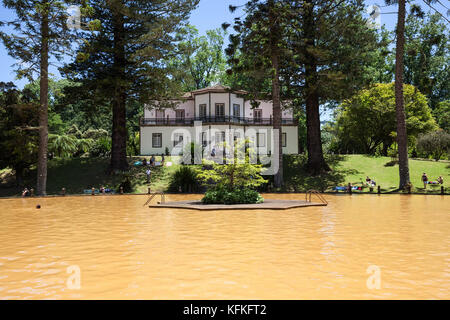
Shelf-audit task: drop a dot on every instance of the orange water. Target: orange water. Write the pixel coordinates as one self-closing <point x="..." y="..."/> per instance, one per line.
<point x="127" y="251"/>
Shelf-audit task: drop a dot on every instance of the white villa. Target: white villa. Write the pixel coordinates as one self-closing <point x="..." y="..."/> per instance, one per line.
<point x="210" y="116"/>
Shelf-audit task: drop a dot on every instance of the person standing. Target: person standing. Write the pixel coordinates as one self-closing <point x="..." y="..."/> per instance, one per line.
<point x="149" y="174"/>
<point x="424" y="180"/>
<point x="440" y="180"/>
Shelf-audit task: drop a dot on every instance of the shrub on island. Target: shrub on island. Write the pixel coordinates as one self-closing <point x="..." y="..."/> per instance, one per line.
<point x="236" y="196"/>
<point x="234" y="182"/>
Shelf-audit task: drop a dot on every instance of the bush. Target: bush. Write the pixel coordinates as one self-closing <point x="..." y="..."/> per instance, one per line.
<point x="184" y="177"/>
<point x="236" y="196"/>
<point x="435" y="144"/>
<point x="101" y="147"/>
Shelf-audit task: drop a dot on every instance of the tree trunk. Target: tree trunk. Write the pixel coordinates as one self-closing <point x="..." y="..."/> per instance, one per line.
<point x="276" y="109"/>
<point x="119" y="129"/>
<point x="41" y="185"/>
<point x="399" y="101"/>
<point x="316" y="163"/>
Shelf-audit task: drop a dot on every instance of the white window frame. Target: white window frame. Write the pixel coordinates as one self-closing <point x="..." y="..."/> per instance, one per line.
<point x="200" y="107"/>
<point x="238" y="108"/>
<point x="154" y="136"/>
<point x="257" y="118"/>
<point x="178" y="138"/>
<point x="218" y="107"/>
<point x="259" y="140"/>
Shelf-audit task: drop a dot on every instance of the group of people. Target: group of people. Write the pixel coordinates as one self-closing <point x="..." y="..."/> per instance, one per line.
<point x="151" y="163"/>
<point x="370" y="182"/>
<point x="425" y="180"/>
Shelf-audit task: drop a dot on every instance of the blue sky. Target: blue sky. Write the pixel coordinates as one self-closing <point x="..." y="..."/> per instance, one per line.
<point x="210" y="14"/>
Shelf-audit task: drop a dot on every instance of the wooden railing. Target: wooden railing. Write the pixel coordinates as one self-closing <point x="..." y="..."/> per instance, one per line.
<point x="154" y="194"/>
<point x="309" y="194"/>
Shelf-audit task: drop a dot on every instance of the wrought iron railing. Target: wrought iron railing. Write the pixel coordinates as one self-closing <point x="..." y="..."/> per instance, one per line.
<point x="217" y="119"/>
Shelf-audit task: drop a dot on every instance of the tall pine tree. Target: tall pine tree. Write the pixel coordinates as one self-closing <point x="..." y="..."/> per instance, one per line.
<point x="122" y="63"/>
<point x="39" y="33"/>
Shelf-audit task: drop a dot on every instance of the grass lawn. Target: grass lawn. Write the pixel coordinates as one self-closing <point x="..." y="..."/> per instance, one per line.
<point x="385" y="174"/>
<point x="84" y="173"/>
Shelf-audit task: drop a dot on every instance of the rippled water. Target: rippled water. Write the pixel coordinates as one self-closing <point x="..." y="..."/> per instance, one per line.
<point x="127" y="251"/>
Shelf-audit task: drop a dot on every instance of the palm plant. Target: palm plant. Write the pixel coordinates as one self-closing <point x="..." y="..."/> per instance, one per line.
<point x="62" y="145"/>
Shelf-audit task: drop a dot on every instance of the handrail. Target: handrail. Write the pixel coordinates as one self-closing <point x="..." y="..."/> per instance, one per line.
<point x="317" y="193"/>
<point x="213" y="119"/>
<point x="154" y="194"/>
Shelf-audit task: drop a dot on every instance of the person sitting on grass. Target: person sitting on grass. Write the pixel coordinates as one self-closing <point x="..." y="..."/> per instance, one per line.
<point x="424" y="180"/>
<point x="144" y="162"/>
<point x="152" y="160"/>
<point x="368" y="180"/>
<point x="440" y="180"/>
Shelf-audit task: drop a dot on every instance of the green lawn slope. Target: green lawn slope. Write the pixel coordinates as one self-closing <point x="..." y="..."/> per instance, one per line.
<point x="84" y="173"/>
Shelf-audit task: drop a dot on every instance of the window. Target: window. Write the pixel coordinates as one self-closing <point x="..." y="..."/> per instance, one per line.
<point x="237" y="136"/>
<point x="284" y="139"/>
<point x="220" y="110"/>
<point x="177" y="139"/>
<point x="257" y="115"/>
<point x="236" y="110"/>
<point x="159" y="114"/>
<point x="260" y="139"/>
<point x="203" y="139"/>
<point x="157" y="140"/>
<point x="220" y="136"/>
<point x="202" y="110"/>
<point x="179" y="115"/>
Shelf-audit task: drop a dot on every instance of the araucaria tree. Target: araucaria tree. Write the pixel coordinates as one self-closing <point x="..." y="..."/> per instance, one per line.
<point x="123" y="62"/>
<point x="40" y="32"/>
<point x="318" y="53"/>
<point x="260" y="39"/>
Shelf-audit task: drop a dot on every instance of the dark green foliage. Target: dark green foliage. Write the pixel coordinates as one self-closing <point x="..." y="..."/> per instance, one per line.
<point x="186" y="178"/>
<point x="18" y="130"/>
<point x="442" y="115"/>
<point x="435" y="144"/>
<point x="235" y="196"/>
<point x="101" y="147"/>
<point x="427" y="56"/>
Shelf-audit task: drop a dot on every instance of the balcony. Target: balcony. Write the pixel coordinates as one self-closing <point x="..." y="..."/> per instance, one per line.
<point x="213" y="120"/>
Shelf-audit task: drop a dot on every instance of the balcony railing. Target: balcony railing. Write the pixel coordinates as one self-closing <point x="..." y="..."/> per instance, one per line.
<point x="218" y="119"/>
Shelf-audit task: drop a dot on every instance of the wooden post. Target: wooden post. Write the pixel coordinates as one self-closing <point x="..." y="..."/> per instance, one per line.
<point x="121" y="190"/>
<point x="93" y="191"/>
<point x="349" y="188"/>
<point x="149" y="191"/>
<point x="408" y="188"/>
<point x="371" y="189"/>
<point x="31" y="192"/>
<point x="442" y="189"/>
<point x="379" y="190"/>
<point x="63" y="191"/>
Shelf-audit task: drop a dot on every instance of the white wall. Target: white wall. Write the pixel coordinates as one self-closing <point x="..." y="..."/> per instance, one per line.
<point x="168" y="131"/>
<point x="187" y="105"/>
<point x="267" y="108"/>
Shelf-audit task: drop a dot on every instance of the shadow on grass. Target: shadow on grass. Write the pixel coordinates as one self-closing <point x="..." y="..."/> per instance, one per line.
<point x="298" y="179"/>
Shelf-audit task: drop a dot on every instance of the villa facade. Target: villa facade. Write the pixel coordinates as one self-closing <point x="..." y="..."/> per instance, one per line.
<point x="211" y="116"/>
